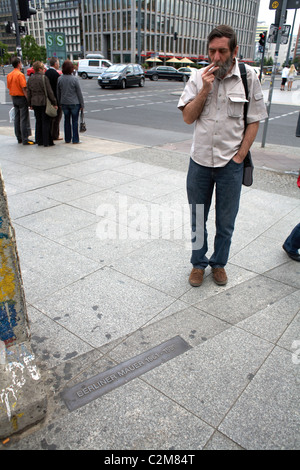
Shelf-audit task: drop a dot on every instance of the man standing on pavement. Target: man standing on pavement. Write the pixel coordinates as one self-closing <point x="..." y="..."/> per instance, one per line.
<point x="16" y="83"/>
<point x="214" y="99"/>
<point x="284" y="77"/>
<point x="53" y="75"/>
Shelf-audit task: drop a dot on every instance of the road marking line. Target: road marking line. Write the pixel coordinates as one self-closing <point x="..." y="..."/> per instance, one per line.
<point x="281" y="115"/>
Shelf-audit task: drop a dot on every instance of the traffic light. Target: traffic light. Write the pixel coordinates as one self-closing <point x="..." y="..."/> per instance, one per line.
<point x="175" y="36"/>
<point x="9" y="27"/>
<point x="25" y="10"/>
<point x="262" y="40"/>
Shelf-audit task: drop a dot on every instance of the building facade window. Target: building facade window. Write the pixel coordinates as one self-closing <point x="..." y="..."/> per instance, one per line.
<point x="64" y="16"/>
<point x="111" y="26"/>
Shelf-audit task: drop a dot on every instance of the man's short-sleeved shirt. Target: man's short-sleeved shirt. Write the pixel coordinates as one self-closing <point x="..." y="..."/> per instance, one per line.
<point x="285" y="72"/>
<point x="220" y="128"/>
<point x="16" y="81"/>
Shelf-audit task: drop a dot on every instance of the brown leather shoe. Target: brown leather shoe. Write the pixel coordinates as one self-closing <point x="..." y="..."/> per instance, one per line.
<point x="196" y="277"/>
<point x="219" y="276"/>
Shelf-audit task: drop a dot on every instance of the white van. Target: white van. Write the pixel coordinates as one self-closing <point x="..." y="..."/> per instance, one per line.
<point x="89" y="68"/>
<point x="95" y="56"/>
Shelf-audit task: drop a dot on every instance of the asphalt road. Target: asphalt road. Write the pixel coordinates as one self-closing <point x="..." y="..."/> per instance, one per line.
<point x="149" y="115"/>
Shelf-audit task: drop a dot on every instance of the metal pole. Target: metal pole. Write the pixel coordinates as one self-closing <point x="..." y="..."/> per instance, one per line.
<point x="15" y="20"/>
<point x="139" y="32"/>
<point x="291" y="39"/>
<point x="282" y="17"/>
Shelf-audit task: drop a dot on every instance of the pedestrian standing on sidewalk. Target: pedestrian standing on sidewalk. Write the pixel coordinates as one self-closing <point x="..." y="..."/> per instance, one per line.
<point x="291" y="76"/>
<point x="16" y="83"/>
<point x="214" y="99"/>
<point x="292" y="244"/>
<point x="53" y="76"/>
<point x="71" y="100"/>
<point x="284" y="76"/>
<point x="37" y="83"/>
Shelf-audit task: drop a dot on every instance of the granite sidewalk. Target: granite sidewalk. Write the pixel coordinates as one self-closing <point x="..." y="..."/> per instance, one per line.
<point x="102" y="235"/>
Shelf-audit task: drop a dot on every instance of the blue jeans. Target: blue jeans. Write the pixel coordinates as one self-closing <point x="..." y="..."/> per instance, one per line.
<point x="292" y="243"/>
<point x="71" y="111"/>
<point x="201" y="181"/>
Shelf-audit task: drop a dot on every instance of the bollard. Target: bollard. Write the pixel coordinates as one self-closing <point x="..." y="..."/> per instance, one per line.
<point x="22" y="397"/>
<point x="298" y="127"/>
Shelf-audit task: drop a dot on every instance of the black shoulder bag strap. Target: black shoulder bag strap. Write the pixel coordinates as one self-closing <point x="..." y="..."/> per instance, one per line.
<point x="248" y="164"/>
<point x="245" y="83"/>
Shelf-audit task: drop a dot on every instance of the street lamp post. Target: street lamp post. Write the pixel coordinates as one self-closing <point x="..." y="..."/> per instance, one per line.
<point x="282" y="14"/>
<point x="139" y="32"/>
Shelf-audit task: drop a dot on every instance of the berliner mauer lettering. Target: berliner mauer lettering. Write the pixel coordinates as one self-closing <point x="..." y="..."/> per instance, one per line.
<point x="102" y="383"/>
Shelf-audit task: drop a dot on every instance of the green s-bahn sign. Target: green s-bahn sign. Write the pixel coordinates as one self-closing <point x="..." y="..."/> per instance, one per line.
<point x="56" y="45"/>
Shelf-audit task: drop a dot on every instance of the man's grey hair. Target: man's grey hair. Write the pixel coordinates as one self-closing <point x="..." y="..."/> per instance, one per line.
<point x="53" y="61"/>
<point x="222" y="31"/>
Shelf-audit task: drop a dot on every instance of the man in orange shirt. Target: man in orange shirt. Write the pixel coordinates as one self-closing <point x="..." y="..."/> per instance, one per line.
<point x="16" y="83"/>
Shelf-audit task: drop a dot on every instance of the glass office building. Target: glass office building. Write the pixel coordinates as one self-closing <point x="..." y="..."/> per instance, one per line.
<point x="115" y="27"/>
<point x="63" y="16"/>
<point x="36" y="23"/>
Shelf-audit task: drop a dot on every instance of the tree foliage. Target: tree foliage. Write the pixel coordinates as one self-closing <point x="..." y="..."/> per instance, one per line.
<point x="4" y="56"/>
<point x="31" y="51"/>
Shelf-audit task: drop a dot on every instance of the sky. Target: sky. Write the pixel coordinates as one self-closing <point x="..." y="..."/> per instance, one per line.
<point x="269" y="15"/>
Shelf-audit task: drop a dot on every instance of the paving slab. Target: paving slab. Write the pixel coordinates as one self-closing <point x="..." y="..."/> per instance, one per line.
<point x="216" y="371"/>
<point x="57" y="221"/>
<point x="87" y="166"/>
<point x="274" y="321"/>
<point x="27" y="203"/>
<point x="273" y="395"/>
<point x="62" y="265"/>
<point x="288" y="274"/>
<point x="96" y="299"/>
<point x="247" y="298"/>
<point x="102" y="241"/>
<point x="53" y="344"/>
<point x="141" y="424"/>
<point x="103" y="313"/>
<point x="168" y="272"/>
<point x="193" y="325"/>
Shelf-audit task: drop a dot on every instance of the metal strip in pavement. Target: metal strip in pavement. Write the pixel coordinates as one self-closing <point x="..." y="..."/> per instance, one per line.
<point x="87" y="391"/>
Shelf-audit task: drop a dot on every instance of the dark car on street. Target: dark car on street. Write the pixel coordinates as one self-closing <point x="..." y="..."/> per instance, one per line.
<point x="122" y="76"/>
<point x="166" y="72"/>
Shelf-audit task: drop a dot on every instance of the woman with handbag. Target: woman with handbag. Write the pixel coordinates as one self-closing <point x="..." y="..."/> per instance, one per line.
<point x="70" y="98"/>
<point x="39" y="91"/>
